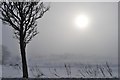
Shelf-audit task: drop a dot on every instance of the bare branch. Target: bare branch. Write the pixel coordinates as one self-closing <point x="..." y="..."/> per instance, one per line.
<point x="23" y="16"/>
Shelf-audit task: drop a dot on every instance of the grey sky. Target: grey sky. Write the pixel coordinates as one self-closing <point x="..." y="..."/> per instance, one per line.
<point x="0" y="32"/>
<point x="60" y="41"/>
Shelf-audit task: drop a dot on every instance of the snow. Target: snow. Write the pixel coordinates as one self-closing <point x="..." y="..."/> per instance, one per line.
<point x="0" y="71"/>
<point x="48" y="72"/>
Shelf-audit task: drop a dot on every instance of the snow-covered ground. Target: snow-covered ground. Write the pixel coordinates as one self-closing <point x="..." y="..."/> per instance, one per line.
<point x="0" y="72"/>
<point x="52" y="72"/>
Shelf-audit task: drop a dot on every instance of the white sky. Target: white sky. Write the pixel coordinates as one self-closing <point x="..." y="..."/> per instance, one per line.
<point x="59" y="40"/>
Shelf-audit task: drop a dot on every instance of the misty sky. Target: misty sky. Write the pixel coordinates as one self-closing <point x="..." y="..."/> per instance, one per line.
<point x="59" y="40"/>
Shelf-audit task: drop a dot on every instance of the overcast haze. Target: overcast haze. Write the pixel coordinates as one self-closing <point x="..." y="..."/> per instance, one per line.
<point x="59" y="40"/>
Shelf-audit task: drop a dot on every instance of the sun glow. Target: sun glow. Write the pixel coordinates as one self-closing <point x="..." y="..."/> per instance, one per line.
<point x="82" y="21"/>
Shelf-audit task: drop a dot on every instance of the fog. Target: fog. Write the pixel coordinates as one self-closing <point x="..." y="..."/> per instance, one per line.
<point x="60" y="41"/>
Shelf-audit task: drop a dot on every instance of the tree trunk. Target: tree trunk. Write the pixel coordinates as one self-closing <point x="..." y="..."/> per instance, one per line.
<point x="24" y="62"/>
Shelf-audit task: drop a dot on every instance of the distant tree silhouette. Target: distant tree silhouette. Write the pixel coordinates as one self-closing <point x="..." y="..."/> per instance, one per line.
<point x="6" y="55"/>
<point x="22" y="17"/>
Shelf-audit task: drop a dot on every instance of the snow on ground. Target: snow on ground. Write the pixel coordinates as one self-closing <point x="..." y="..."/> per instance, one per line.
<point x="49" y="72"/>
<point x="0" y="71"/>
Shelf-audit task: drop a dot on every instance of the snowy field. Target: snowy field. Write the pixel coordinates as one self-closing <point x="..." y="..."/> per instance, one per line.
<point x="63" y="79"/>
<point x="58" y="72"/>
<point x="0" y="72"/>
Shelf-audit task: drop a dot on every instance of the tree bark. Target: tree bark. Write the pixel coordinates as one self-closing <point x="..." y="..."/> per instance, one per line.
<point x="23" y="56"/>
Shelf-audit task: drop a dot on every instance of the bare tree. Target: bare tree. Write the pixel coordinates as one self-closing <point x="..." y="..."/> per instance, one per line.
<point x="22" y="17"/>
